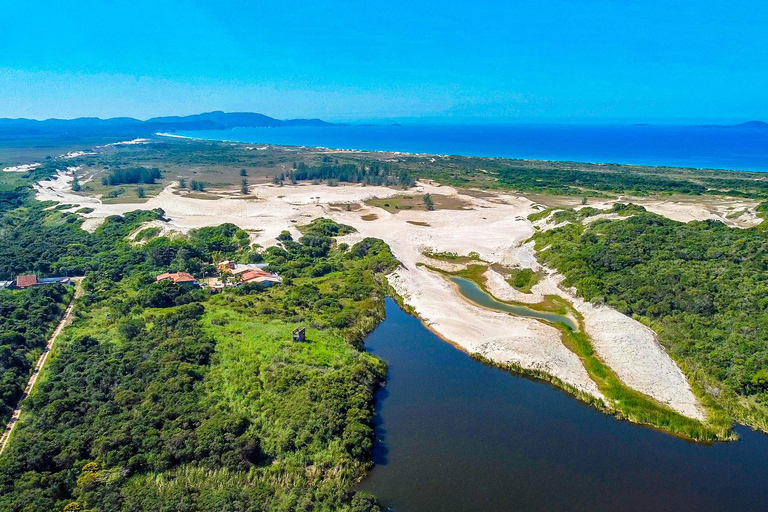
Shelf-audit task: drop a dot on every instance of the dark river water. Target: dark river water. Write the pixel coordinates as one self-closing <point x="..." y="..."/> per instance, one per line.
<point x="457" y="435"/>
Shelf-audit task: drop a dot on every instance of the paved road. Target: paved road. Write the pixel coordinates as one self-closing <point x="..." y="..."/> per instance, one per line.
<point x="65" y="321"/>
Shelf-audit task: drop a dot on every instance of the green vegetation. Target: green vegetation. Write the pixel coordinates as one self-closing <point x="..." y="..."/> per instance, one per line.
<point x="429" y="205"/>
<point x="701" y="286"/>
<point x="132" y="176"/>
<point x="452" y="256"/>
<point x="162" y="397"/>
<point x="634" y="406"/>
<point x="523" y="279"/>
<point x="369" y="173"/>
<point x="27" y="319"/>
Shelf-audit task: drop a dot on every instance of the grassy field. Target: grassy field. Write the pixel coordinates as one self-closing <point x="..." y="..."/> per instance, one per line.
<point x="399" y="203"/>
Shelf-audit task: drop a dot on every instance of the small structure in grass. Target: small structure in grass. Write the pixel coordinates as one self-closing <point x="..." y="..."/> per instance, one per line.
<point x="299" y="334"/>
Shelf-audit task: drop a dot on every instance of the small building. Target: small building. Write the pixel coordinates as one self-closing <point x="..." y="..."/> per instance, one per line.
<point x="4" y="285"/>
<point x="240" y="268"/>
<point x="178" y="278"/>
<point x="299" y="334"/>
<point x="259" y="276"/>
<point x="26" y="280"/>
<point x="54" y="280"/>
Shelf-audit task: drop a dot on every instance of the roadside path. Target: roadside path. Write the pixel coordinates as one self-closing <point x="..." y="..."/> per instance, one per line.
<point x="65" y="321"/>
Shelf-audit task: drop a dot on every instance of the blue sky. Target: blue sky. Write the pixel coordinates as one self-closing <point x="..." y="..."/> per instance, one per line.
<point x="453" y="61"/>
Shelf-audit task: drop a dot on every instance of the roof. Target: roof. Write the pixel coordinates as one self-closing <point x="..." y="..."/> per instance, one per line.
<point x="239" y="268"/>
<point x="26" y="280"/>
<point x="258" y="276"/>
<point x="46" y="280"/>
<point x="176" y="277"/>
<point x="5" y="284"/>
<point x="249" y="275"/>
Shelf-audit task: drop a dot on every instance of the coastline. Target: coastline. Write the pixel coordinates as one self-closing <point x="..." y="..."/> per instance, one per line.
<point x="495" y="226"/>
<point x="528" y="143"/>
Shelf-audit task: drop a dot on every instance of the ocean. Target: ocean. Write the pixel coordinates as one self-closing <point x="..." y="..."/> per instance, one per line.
<point x="732" y="148"/>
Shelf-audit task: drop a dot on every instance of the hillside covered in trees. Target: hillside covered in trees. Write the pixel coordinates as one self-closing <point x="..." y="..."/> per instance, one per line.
<point x="702" y="286"/>
<point x="27" y="319"/>
<point x="160" y="397"/>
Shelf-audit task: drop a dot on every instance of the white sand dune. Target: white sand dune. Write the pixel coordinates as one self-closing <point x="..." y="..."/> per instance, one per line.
<point x="496" y="228"/>
<point x="21" y="168"/>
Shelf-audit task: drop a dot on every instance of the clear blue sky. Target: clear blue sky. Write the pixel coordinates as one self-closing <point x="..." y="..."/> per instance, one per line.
<point x="532" y="60"/>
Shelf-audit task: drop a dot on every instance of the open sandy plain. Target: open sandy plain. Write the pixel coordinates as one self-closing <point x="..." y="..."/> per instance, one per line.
<point x="493" y="226"/>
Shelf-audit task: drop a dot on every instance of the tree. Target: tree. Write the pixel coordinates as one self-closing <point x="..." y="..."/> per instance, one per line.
<point x="244" y="186"/>
<point x="140" y="192"/>
<point x="428" y="203"/>
<point x="243" y="172"/>
<point x="182" y="183"/>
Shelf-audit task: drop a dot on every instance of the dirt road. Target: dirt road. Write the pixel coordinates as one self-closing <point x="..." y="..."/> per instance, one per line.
<point x="65" y="321"/>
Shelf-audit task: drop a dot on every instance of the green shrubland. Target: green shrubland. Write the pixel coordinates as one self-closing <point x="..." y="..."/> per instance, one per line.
<point x="161" y="397"/>
<point x="702" y="286"/>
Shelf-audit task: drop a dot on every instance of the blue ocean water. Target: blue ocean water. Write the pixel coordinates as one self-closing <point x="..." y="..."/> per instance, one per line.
<point x="731" y="148"/>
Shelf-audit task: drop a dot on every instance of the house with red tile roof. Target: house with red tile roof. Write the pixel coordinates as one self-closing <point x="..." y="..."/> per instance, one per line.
<point x="177" y="278"/>
<point x="259" y="276"/>
<point x="26" y="280"/>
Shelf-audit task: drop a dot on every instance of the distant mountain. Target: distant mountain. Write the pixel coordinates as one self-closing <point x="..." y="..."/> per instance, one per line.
<point x="128" y="126"/>
<point x="752" y="125"/>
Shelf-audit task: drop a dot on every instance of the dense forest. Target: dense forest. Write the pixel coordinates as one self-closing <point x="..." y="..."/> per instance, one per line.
<point x="702" y="286"/>
<point x="132" y="176"/>
<point x="372" y="173"/>
<point x="27" y="318"/>
<point x="160" y="397"/>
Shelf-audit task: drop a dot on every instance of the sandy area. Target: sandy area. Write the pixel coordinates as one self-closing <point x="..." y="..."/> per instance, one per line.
<point x="21" y="168"/>
<point x="734" y="212"/>
<point x="495" y="227"/>
<point x="628" y="347"/>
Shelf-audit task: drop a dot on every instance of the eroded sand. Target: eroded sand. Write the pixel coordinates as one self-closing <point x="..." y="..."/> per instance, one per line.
<point x="495" y="228"/>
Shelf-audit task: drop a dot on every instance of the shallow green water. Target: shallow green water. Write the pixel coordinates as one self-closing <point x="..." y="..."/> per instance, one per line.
<point x="474" y="293"/>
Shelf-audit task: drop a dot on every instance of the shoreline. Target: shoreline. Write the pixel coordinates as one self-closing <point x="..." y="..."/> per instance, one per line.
<point x="548" y="160"/>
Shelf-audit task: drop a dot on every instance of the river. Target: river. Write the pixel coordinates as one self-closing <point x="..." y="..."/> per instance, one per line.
<point x="454" y="434"/>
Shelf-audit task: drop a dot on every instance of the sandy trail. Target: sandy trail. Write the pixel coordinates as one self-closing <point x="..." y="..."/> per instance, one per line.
<point x="495" y="227"/>
<point x="66" y="319"/>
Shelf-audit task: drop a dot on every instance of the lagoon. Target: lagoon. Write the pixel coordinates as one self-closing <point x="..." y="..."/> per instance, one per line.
<point x="471" y="291"/>
<point x="454" y="434"/>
